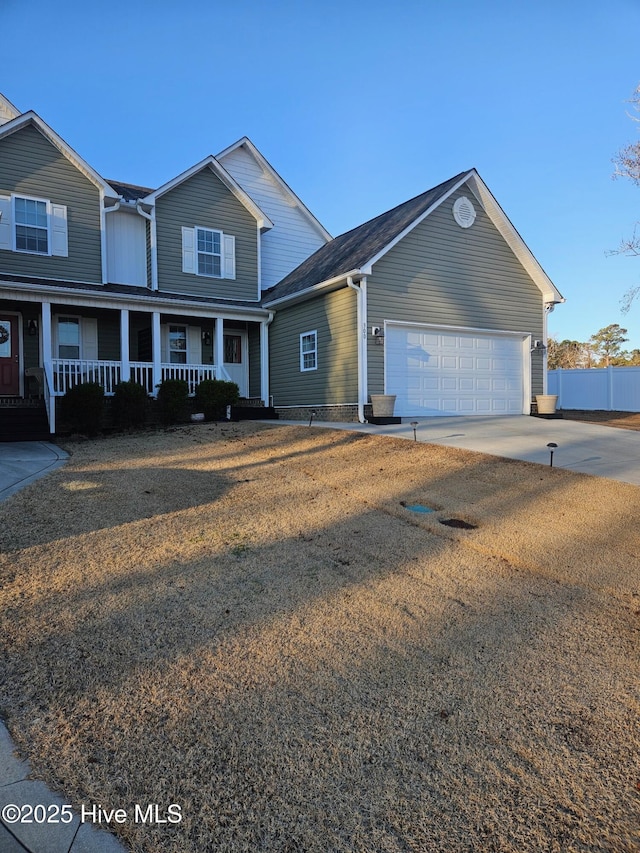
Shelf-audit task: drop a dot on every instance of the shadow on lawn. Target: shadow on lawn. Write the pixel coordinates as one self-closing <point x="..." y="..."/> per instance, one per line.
<point x="332" y="673"/>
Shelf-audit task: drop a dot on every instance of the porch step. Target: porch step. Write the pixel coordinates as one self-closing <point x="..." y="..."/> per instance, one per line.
<point x="245" y="412"/>
<point x="24" y="421"/>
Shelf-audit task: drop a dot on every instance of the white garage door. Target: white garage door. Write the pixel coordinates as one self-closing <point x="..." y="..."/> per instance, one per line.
<point x="440" y="372"/>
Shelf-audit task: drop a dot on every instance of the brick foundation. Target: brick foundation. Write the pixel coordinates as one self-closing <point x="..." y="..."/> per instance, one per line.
<point x="345" y="413"/>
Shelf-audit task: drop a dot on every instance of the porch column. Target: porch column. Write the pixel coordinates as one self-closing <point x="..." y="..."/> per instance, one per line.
<point x="156" y="351"/>
<point x="47" y="343"/>
<point x="264" y="360"/>
<point x="125" y="367"/>
<point x="219" y="351"/>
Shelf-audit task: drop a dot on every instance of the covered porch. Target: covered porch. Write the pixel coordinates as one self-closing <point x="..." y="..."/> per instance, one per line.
<point x="59" y="343"/>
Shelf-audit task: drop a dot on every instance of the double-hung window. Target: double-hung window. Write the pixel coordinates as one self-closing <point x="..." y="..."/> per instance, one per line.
<point x="209" y="247"/>
<point x="68" y="337"/>
<point x="309" y="351"/>
<point x="32" y="225"/>
<point x="36" y="226"/>
<point x="208" y="252"/>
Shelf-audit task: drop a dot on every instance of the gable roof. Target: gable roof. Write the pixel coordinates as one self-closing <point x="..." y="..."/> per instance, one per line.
<point x="211" y="163"/>
<point x="355" y="252"/>
<point x="284" y="188"/>
<point x="32" y="119"/>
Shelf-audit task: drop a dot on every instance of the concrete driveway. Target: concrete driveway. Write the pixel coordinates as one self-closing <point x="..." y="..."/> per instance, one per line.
<point x="22" y="462"/>
<point x="589" y="448"/>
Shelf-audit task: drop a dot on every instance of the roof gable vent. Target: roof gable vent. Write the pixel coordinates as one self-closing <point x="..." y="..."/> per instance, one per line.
<point x="464" y="212"/>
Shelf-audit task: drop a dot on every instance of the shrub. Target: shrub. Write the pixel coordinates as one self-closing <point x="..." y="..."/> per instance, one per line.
<point x="82" y="408"/>
<point x="130" y="405"/>
<point x="172" y="400"/>
<point x="214" y="395"/>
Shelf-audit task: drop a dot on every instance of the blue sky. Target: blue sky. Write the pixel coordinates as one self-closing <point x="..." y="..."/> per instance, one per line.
<point x="362" y="105"/>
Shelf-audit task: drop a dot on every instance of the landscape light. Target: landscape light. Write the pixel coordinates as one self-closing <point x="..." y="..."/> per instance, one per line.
<point x="414" y="424"/>
<point x="552" y="446"/>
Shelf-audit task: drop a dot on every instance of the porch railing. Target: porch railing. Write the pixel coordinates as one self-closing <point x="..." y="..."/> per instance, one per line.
<point x="191" y="373"/>
<point x="67" y="372"/>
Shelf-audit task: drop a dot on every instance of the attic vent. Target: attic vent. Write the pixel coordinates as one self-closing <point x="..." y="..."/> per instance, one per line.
<point x="464" y="212"/>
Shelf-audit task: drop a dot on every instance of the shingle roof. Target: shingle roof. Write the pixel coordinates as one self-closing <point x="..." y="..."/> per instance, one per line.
<point x="356" y="248"/>
<point x="130" y="192"/>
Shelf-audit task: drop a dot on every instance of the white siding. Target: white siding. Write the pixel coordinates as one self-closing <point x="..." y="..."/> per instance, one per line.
<point x="126" y="249"/>
<point x="293" y="238"/>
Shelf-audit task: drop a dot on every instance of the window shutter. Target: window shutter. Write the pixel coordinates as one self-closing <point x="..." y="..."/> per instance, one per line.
<point x="89" y="338"/>
<point x="5" y="223"/>
<point x="194" y="345"/>
<point x="189" y="250"/>
<point x="59" y="238"/>
<point x="229" y="256"/>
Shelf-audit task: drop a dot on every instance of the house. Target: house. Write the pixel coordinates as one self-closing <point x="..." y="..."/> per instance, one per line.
<point x="437" y="301"/>
<point x="106" y="281"/>
<point x="222" y="272"/>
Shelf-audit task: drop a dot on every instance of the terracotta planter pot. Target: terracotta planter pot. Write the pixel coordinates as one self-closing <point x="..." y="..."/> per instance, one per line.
<point x="547" y="403"/>
<point x="383" y="405"/>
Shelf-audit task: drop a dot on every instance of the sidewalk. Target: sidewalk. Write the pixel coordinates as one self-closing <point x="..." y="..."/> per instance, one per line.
<point x="17" y="792"/>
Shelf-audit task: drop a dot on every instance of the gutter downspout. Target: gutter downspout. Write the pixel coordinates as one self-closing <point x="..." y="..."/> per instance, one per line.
<point x="361" y="327"/>
<point x="264" y="357"/>
<point x="151" y="217"/>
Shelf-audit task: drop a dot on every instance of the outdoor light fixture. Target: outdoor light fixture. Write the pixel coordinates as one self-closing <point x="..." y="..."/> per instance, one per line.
<point x="311" y="418"/>
<point x="552" y="446"/>
<point x="32" y="328"/>
<point x="414" y="424"/>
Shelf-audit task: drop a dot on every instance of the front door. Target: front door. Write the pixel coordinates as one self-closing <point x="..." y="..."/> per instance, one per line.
<point x="9" y="355"/>
<point x="235" y="360"/>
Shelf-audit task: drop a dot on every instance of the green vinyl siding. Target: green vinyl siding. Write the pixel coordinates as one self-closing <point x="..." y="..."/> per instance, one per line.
<point x="335" y="381"/>
<point x="203" y="200"/>
<point x="31" y="166"/>
<point x="445" y="275"/>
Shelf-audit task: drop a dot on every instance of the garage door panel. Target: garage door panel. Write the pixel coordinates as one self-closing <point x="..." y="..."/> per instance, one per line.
<point x="443" y="373"/>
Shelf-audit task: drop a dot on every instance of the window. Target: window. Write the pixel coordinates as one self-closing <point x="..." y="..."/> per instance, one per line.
<point x="32" y="225"/>
<point x="232" y="349"/>
<point x="209" y="252"/>
<point x="68" y="337"/>
<point x="309" y="351"/>
<point x="177" y="344"/>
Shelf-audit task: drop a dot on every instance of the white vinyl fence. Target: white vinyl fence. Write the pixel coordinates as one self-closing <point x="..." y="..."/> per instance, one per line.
<point x="606" y="388"/>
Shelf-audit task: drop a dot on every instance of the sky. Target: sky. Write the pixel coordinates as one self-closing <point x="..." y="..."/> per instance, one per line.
<point x="360" y="105"/>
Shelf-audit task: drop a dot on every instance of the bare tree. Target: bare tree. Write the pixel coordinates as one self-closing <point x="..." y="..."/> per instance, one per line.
<point x="627" y="163"/>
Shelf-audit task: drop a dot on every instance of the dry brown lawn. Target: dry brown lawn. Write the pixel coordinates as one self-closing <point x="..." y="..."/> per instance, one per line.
<point x="246" y="621"/>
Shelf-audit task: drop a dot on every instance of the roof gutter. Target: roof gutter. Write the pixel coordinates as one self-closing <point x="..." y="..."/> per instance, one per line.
<point x="361" y="341"/>
<point x="323" y="285"/>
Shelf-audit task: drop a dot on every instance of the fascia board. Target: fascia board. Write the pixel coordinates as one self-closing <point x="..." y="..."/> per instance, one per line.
<point x="513" y="239"/>
<point x="32" y="118"/>
<point x="416" y="222"/>
<point x="210" y="162"/>
<point x="330" y="284"/>
<point x="282" y="184"/>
